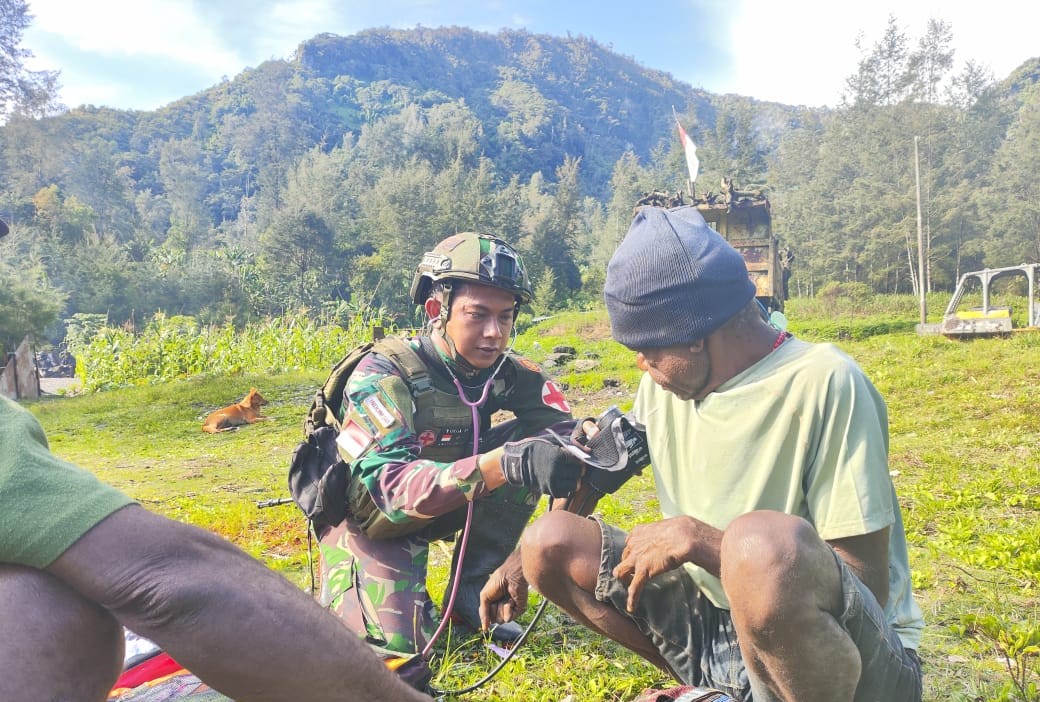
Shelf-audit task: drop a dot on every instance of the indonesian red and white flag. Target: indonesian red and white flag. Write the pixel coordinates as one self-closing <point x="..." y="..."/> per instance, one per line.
<point x="693" y="164"/>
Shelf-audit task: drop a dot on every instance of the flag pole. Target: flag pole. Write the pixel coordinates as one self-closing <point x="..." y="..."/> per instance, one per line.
<point x="690" y="150"/>
<point x="921" y="287"/>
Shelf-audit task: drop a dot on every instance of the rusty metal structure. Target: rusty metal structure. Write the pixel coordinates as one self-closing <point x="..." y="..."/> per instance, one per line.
<point x="986" y="319"/>
<point x="744" y="219"/>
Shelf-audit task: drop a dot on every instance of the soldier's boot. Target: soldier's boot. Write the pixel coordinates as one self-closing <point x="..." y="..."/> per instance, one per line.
<point x="497" y="525"/>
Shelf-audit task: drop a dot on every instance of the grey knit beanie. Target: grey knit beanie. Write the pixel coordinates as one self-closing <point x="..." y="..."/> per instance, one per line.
<point x="673" y="280"/>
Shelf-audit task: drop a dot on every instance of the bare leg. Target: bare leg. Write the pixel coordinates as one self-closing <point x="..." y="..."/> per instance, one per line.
<point x="561" y="554"/>
<point x="785" y="592"/>
<point x="54" y="644"/>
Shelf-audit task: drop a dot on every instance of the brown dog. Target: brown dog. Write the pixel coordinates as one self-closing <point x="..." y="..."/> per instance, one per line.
<point x="245" y="412"/>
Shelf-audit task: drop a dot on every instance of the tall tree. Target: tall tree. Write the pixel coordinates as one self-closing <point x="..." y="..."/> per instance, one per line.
<point x="296" y="256"/>
<point x="628" y="183"/>
<point x="181" y="167"/>
<point x="733" y="148"/>
<point x="21" y="90"/>
<point x="24" y="310"/>
<point x="96" y="176"/>
<point x="402" y="221"/>
<point x="1011" y="200"/>
<point x="554" y="234"/>
<point x="882" y="75"/>
<point x="931" y="63"/>
<point x="969" y="86"/>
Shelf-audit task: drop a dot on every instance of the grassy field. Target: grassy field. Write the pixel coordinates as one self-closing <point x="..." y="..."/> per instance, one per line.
<point x="965" y="451"/>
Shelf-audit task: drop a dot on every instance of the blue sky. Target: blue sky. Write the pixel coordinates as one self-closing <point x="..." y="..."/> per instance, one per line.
<point x="142" y="54"/>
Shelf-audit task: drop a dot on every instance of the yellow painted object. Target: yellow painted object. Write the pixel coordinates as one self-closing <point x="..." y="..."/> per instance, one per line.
<point x="395" y="663"/>
<point x="992" y="313"/>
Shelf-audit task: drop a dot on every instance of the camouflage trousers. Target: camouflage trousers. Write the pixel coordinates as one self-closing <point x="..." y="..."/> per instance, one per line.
<point x="378" y="586"/>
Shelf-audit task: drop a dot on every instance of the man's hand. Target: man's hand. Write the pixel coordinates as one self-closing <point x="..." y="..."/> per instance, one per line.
<point x="652" y="549"/>
<point x="542" y="465"/>
<point x="617" y="449"/>
<point x="584" y="429"/>
<point x="504" y="597"/>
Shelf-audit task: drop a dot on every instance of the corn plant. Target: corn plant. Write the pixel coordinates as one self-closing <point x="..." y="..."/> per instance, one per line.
<point x="176" y="347"/>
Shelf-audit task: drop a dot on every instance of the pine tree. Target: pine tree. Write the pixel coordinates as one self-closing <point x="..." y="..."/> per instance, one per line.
<point x="22" y="91"/>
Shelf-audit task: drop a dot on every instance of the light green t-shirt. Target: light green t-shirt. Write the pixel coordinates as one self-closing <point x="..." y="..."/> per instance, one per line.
<point x="804" y="432"/>
<point x="46" y="504"/>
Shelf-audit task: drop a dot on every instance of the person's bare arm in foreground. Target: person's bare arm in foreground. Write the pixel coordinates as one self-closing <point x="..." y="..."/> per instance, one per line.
<point x="242" y="628"/>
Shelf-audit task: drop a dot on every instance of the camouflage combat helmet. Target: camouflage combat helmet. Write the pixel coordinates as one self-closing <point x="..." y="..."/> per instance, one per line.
<point x="473" y="258"/>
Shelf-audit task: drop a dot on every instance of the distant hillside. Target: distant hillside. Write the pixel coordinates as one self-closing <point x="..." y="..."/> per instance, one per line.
<point x="537" y="97"/>
<point x="316" y="182"/>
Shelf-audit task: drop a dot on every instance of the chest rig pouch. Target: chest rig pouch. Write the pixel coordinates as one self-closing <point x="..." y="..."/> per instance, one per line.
<point x="443" y="424"/>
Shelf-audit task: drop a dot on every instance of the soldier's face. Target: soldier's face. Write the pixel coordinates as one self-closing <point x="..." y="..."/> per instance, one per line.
<point x="480" y="323"/>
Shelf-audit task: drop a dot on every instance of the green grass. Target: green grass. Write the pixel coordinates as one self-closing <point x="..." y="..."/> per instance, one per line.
<point x="965" y="453"/>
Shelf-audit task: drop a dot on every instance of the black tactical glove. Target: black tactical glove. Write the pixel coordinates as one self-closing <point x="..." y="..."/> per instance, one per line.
<point x="617" y="452"/>
<point x="541" y="465"/>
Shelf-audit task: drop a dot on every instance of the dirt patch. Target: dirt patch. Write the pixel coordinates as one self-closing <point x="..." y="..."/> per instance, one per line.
<point x="591" y="330"/>
<point x="593" y="403"/>
<point x="59" y="386"/>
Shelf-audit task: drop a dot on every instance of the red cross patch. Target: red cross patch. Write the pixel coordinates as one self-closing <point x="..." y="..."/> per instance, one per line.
<point x="427" y="438"/>
<point x="552" y="397"/>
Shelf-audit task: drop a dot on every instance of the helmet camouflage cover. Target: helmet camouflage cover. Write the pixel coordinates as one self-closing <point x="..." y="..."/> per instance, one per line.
<point x="473" y="258"/>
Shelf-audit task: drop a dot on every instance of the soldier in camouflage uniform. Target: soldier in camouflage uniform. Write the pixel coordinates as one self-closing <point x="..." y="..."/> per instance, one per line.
<point x="408" y="436"/>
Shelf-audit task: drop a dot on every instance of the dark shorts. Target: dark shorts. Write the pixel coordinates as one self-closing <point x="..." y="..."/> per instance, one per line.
<point x="699" y="642"/>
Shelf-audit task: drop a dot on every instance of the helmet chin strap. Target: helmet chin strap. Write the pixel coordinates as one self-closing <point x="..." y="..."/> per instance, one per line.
<point x="465" y="368"/>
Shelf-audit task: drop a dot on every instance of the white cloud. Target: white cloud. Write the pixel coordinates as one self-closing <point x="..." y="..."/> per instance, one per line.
<point x="802" y="51"/>
<point x="87" y="91"/>
<point x="135" y="29"/>
<point x="291" y="22"/>
<point x="794" y="52"/>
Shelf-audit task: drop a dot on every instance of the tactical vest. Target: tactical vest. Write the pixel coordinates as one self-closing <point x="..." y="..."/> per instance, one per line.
<point x="438" y="412"/>
<point x="443" y="423"/>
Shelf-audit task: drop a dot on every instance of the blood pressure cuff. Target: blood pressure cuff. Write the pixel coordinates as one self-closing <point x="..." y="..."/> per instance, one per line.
<point x="617" y="452"/>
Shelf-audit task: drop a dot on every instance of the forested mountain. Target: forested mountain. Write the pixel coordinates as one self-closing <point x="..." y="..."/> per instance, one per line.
<point x="317" y="182"/>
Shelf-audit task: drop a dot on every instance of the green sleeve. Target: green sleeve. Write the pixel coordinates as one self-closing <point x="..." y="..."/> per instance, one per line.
<point x="46" y="504"/>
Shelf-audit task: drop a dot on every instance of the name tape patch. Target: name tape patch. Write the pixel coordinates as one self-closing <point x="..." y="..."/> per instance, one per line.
<point x="378" y="411"/>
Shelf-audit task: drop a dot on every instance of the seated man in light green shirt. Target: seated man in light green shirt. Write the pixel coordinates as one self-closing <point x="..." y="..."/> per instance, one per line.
<point x="780" y="569"/>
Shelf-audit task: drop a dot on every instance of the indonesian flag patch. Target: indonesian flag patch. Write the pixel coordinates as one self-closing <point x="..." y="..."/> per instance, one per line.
<point x="552" y="397"/>
<point x="353" y="440"/>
